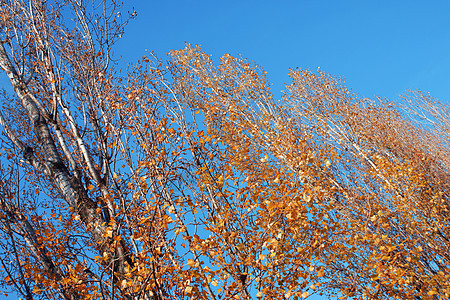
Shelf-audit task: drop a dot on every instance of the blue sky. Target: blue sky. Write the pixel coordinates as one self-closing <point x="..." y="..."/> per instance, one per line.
<point x="379" y="47"/>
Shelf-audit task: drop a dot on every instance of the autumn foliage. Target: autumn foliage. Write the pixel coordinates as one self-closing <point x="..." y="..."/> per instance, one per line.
<point x="184" y="178"/>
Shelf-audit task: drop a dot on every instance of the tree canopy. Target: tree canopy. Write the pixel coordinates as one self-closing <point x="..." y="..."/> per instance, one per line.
<point x="184" y="178"/>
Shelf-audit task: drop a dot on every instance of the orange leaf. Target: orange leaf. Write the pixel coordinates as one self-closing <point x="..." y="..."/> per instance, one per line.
<point x="321" y="273"/>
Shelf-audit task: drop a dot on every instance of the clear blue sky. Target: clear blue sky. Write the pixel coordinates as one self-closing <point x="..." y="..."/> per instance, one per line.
<point x="379" y="47"/>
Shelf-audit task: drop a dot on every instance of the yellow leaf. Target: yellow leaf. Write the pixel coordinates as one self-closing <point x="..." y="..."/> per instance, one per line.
<point x="307" y="198"/>
<point x="37" y="290"/>
<point x="188" y="290"/>
<point x="123" y="283"/>
<point x="240" y="247"/>
<point x="108" y="232"/>
<point x="259" y="295"/>
<point x="90" y="187"/>
<point x="191" y="263"/>
<point x="321" y="273"/>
